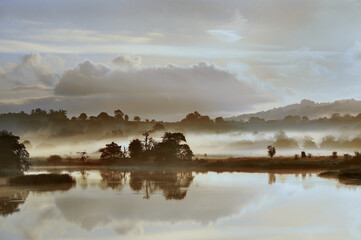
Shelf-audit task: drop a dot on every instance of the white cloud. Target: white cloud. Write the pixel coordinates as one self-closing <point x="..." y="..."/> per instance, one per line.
<point x="33" y="69"/>
<point x="86" y="36"/>
<point x="225" y="35"/>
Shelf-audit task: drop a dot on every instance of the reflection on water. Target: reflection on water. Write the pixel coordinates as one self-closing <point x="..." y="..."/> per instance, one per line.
<point x="10" y="199"/>
<point x="173" y="184"/>
<point x="108" y="204"/>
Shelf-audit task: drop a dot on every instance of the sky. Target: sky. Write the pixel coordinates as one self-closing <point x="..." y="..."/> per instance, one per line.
<point x="165" y="58"/>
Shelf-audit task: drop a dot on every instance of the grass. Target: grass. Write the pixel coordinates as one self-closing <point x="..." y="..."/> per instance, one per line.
<point x="42" y="179"/>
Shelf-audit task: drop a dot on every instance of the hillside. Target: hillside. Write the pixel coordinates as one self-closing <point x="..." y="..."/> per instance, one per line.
<point x="307" y="108"/>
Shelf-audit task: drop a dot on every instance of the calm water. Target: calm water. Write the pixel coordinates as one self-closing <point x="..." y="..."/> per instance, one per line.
<point x="183" y="205"/>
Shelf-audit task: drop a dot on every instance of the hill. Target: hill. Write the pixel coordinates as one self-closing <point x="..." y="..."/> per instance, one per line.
<point x="307" y="108"/>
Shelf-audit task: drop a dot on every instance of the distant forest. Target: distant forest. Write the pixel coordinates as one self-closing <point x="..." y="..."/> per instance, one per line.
<point x="55" y="124"/>
<point x="121" y="124"/>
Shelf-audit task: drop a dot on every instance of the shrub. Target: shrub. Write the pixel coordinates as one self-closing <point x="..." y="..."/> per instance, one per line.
<point x="334" y="155"/>
<point x="303" y="154"/>
<point x="296" y="157"/>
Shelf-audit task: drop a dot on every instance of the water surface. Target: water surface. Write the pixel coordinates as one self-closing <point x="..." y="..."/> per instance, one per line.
<point x="114" y="204"/>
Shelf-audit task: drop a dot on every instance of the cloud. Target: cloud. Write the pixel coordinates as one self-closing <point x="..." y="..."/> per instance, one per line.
<point x="33" y="69"/>
<point x="81" y="35"/>
<point x="31" y="88"/>
<point x="225" y="35"/>
<point x="163" y="89"/>
<point x="287" y="24"/>
<point x="230" y="32"/>
<point x="127" y="61"/>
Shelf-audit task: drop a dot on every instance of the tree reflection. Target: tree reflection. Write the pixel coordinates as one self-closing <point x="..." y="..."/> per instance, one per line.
<point x="12" y="197"/>
<point x="10" y="201"/>
<point x="113" y="179"/>
<point x="271" y="178"/>
<point x="173" y="184"/>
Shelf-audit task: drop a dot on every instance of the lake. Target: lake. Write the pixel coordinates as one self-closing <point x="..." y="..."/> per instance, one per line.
<point x="139" y="204"/>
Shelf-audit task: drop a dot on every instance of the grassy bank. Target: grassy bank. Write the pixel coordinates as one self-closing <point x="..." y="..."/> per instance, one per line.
<point x="42" y="179"/>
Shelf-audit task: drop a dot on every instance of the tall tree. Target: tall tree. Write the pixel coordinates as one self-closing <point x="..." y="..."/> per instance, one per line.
<point x="12" y="153"/>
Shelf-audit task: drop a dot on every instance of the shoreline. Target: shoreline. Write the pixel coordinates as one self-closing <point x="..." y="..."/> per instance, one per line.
<point x="243" y="164"/>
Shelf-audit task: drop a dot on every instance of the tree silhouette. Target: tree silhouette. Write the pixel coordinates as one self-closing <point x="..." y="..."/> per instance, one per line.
<point x="111" y="151"/>
<point x="135" y="148"/>
<point x="83" y="117"/>
<point x="184" y="152"/>
<point x="119" y="115"/>
<point x="173" y="137"/>
<point x="54" y="159"/>
<point x="174" y="185"/>
<point x="9" y="203"/>
<point x="12" y="153"/>
<point x="158" y="127"/>
<point x="103" y="116"/>
<point x="171" y="149"/>
<point x="83" y="156"/>
<point x="271" y="151"/>
<point x="219" y="121"/>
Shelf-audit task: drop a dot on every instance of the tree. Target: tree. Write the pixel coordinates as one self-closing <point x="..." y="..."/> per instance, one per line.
<point x="173" y="137"/>
<point x="220" y="121"/>
<point x="12" y="153"/>
<point x="54" y="159"/>
<point x="158" y="127"/>
<point x="309" y="143"/>
<point x="38" y="113"/>
<point x="146" y="141"/>
<point x="111" y="151"/>
<point x="82" y="117"/>
<point x="135" y="148"/>
<point x="119" y="115"/>
<point x="271" y="151"/>
<point x="136" y="118"/>
<point x="198" y="119"/>
<point x="83" y="156"/>
<point x="103" y="116"/>
<point x="184" y="152"/>
<point x="171" y="149"/>
<point x="59" y="115"/>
